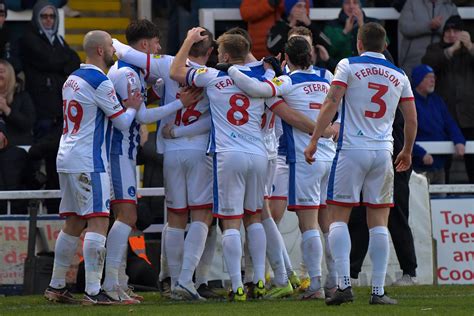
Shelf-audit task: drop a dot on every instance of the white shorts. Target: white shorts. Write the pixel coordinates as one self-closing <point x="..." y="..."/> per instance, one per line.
<point x="239" y="184"/>
<point x="366" y="171"/>
<point x="306" y="184"/>
<point x="187" y="180"/>
<point x="84" y="194"/>
<point x="123" y="175"/>
<point x="280" y="181"/>
<point x="270" y="177"/>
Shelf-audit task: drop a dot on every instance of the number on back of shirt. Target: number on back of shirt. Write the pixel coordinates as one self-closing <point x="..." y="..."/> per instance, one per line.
<point x="72" y="112"/>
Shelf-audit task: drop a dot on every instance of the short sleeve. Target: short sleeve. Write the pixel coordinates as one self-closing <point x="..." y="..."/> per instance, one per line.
<point x="200" y="77"/>
<point x="107" y="100"/>
<point x="407" y="93"/>
<point x="126" y="77"/>
<point x="273" y="102"/>
<point x="341" y="77"/>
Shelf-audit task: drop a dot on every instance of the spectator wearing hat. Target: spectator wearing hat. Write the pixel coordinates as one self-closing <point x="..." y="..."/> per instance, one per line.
<point x="452" y="60"/>
<point x="421" y="24"/>
<point x="434" y="124"/>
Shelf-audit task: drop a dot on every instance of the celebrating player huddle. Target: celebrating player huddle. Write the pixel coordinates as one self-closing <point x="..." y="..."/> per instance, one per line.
<point x="220" y="131"/>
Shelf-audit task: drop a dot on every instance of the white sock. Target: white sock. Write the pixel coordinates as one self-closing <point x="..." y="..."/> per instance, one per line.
<point x="64" y="251"/>
<point x="331" y="278"/>
<point x="122" y="272"/>
<point x="248" y="276"/>
<point x="204" y="265"/>
<point x="275" y="251"/>
<point x="379" y="253"/>
<point x="117" y="243"/>
<point x="312" y="256"/>
<point x="232" y="250"/>
<point x="193" y="249"/>
<point x="174" y="244"/>
<point x="94" y="256"/>
<point x="257" y="243"/>
<point x="286" y="257"/>
<point x="164" y="272"/>
<point x="340" y="243"/>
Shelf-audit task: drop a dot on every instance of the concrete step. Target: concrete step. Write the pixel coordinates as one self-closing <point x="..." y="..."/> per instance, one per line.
<point x="75" y="40"/>
<point x="101" y="6"/>
<point x="96" y="23"/>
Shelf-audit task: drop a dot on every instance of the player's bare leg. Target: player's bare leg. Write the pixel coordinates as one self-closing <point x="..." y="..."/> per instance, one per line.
<point x="116" y="280"/>
<point x="377" y="221"/>
<point x="330" y="284"/>
<point x="312" y="249"/>
<point x="193" y="249"/>
<point x="257" y="243"/>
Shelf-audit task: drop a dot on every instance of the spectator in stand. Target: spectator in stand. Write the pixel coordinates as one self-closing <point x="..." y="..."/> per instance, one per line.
<point x="421" y="24"/>
<point x="434" y="124"/>
<point x="342" y="31"/>
<point x="18" y="112"/>
<point x="453" y="62"/>
<point x="47" y="61"/>
<point x="8" y="42"/>
<point x="29" y="4"/>
<point x="3" y="137"/>
<point x="260" y="16"/>
<point x="296" y="15"/>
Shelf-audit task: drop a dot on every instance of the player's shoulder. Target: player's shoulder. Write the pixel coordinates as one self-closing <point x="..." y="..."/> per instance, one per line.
<point x="92" y="75"/>
<point x="161" y="58"/>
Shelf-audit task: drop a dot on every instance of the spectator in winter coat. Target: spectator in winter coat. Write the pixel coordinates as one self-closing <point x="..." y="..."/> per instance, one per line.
<point x="434" y="124"/>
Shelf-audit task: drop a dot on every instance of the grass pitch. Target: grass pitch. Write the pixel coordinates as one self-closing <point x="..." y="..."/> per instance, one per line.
<point x="418" y="300"/>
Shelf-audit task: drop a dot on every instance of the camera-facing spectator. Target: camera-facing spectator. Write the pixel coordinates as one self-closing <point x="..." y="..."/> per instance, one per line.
<point x="453" y="62"/>
<point x="342" y="31"/>
<point x="434" y="124"/>
<point x="18" y="111"/>
<point x="421" y="24"/>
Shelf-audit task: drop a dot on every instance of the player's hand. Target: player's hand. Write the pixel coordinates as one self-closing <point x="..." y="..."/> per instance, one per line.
<point x="465" y="39"/>
<point x="427" y="159"/>
<point x="3" y="141"/>
<point x="336" y="126"/>
<point x="223" y="66"/>
<point x="167" y="131"/>
<point x="403" y="161"/>
<point x="459" y="149"/>
<point x="189" y="96"/>
<point x="275" y="64"/>
<point x="310" y="151"/>
<point x="194" y="35"/>
<point x="134" y="99"/>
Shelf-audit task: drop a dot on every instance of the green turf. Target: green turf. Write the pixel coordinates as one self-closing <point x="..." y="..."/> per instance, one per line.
<point x="419" y="300"/>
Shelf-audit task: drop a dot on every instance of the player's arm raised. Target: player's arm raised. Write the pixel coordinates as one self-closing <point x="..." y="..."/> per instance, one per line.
<point x="178" y="70"/>
<point x="252" y="86"/>
<point x="403" y="160"/>
<point x="328" y="110"/>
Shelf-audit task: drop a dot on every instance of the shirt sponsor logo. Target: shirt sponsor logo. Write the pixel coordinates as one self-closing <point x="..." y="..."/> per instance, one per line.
<point x="246" y="137"/>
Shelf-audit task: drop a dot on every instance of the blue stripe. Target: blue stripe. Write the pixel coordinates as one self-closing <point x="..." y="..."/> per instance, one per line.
<point x="116" y="174"/>
<point x="121" y="64"/>
<point x="116" y="143"/>
<point x="300" y="77"/>
<point x="292" y="184"/>
<point x="374" y="60"/>
<point x="97" y="206"/>
<point x="341" y="129"/>
<point x="282" y="145"/>
<point x="92" y="76"/>
<point x="131" y="136"/>
<point x="215" y="188"/>
<point x="290" y="142"/>
<point x="108" y="138"/>
<point x="332" y="177"/>
<point x="98" y="141"/>
<point x="212" y="137"/>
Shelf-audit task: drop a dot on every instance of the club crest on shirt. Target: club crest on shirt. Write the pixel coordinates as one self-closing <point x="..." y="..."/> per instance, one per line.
<point x="112" y="96"/>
